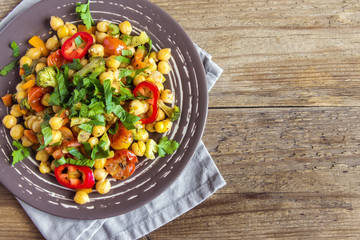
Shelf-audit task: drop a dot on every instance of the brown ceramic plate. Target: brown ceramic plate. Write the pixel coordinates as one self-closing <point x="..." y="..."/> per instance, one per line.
<point x="151" y="178"/>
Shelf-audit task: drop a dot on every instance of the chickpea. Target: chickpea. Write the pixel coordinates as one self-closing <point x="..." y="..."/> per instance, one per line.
<point x="132" y="49"/>
<point x="116" y="73"/>
<point x="52" y="166"/>
<point x="81" y="197"/>
<point x="96" y="50"/>
<point x="29" y="122"/>
<point x="40" y="115"/>
<point x="20" y="96"/>
<point x="164" y="67"/>
<point x="154" y="56"/>
<point x="45" y="167"/>
<point x="136" y="107"/>
<point x="56" y="137"/>
<point x="62" y="32"/>
<point x="157" y="76"/>
<point x="150" y="127"/>
<point x="39" y="66"/>
<point x="17" y="132"/>
<point x="93" y="141"/>
<point x="164" y="54"/>
<point x="163" y="126"/>
<point x="106" y="75"/>
<point x="125" y="28"/>
<point x="103" y="186"/>
<point x="167" y="96"/>
<point x="160" y="86"/>
<point x="100" y="163"/>
<point x="25" y="60"/>
<point x="87" y="190"/>
<point x="100" y="174"/>
<point x="56" y="123"/>
<point x="100" y="36"/>
<point x="146" y="105"/>
<point x="26" y="142"/>
<point x="138" y="79"/>
<point x="71" y="73"/>
<point x="98" y="131"/>
<point x="36" y="126"/>
<point x="151" y="65"/>
<point x="42" y="155"/>
<point x="19" y="86"/>
<point x="9" y="121"/>
<point x="111" y="62"/>
<point x="161" y="115"/>
<point x="53" y="43"/>
<point x="56" y="22"/>
<point x="84" y="61"/>
<point x="15" y="111"/>
<point x="42" y="60"/>
<point x="56" y="109"/>
<point x="71" y="28"/>
<point x="33" y="53"/>
<point x="103" y="26"/>
<point x="138" y="148"/>
<point x="45" y="100"/>
<point x="64" y="39"/>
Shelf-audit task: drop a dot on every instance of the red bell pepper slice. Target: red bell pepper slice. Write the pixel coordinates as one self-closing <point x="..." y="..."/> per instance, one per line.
<point x="34" y="97"/>
<point x="72" y="48"/>
<point x="140" y="89"/>
<point x="86" y="180"/>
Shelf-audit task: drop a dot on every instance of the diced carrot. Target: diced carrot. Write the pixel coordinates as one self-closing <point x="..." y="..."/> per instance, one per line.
<point x="23" y="111"/>
<point x="30" y="134"/>
<point x="66" y="133"/>
<point x="83" y="28"/>
<point x="28" y="84"/>
<point x="7" y="100"/>
<point x="21" y="71"/>
<point x="36" y="42"/>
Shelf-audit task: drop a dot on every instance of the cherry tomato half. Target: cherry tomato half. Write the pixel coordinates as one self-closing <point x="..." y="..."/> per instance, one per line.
<point x="122" y="139"/>
<point x="113" y="46"/>
<point x="57" y="59"/>
<point x="122" y="165"/>
<point x="34" y="97"/>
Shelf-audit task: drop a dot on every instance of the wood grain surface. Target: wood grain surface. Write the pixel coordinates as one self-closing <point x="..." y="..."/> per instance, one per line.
<point x="283" y="124"/>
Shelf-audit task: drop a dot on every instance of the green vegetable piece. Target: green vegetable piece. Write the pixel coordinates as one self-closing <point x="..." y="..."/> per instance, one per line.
<point x="83" y="136"/>
<point x="8" y="68"/>
<point x="20" y="154"/>
<point x="167" y="146"/>
<point x="140" y="40"/>
<point x="46" y="77"/>
<point x="123" y="59"/>
<point x="126" y="39"/>
<point x="78" y="121"/>
<point x="114" y="29"/>
<point x="84" y="13"/>
<point x="138" y="134"/>
<point x="24" y="104"/>
<point x="151" y="149"/>
<point x="172" y="112"/>
<point x="106" y="141"/>
<point x="73" y="151"/>
<point x="75" y="65"/>
<point x="15" y="48"/>
<point x="78" y="41"/>
<point x="83" y="162"/>
<point x="47" y="132"/>
<point x="96" y="65"/>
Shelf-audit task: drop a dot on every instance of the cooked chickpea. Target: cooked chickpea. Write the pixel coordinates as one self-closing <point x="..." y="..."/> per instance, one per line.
<point x="71" y="73"/>
<point x="53" y="43"/>
<point x="14" y="111"/>
<point x="9" y="121"/>
<point x="36" y="126"/>
<point x="154" y="56"/>
<point x="157" y="76"/>
<point x="56" y="22"/>
<point x="19" y="86"/>
<point x="56" y="137"/>
<point x="81" y="197"/>
<point x="87" y="190"/>
<point x="42" y="60"/>
<point x="100" y="163"/>
<point x="125" y="28"/>
<point x="100" y="174"/>
<point x="29" y="122"/>
<point x="136" y="107"/>
<point x="160" y="86"/>
<point x="146" y="105"/>
<point x="56" y="123"/>
<point x="167" y="96"/>
<point x="84" y="61"/>
<point x="116" y="73"/>
<point x="103" y="186"/>
<point x="111" y="62"/>
<point x="161" y="115"/>
<point x="103" y="26"/>
<point x="151" y="65"/>
<point x="64" y="39"/>
<point x="93" y="141"/>
<point x="164" y="67"/>
<point x="25" y="60"/>
<point x="100" y="36"/>
<point x="17" y="131"/>
<point x="62" y="32"/>
<point x="26" y="142"/>
<point x="163" y="126"/>
<point x="71" y="28"/>
<point x="20" y="96"/>
<point x="42" y="155"/>
<point x="98" y="131"/>
<point x="150" y="127"/>
<point x="164" y="54"/>
<point x="45" y="100"/>
<point x="96" y="50"/>
<point x="138" y="148"/>
<point x="33" y="53"/>
<point x="45" y="167"/>
<point x="52" y="166"/>
<point x="39" y="66"/>
<point x="56" y="109"/>
<point x="138" y="79"/>
<point x="132" y="49"/>
<point x="106" y="75"/>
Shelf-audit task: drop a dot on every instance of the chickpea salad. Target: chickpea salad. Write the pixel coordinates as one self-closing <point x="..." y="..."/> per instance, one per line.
<point x="90" y="102"/>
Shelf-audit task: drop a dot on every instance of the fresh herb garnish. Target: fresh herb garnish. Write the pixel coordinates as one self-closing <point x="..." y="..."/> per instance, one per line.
<point x="123" y="59"/>
<point x="27" y="69"/>
<point x="78" y="40"/>
<point x="84" y="13"/>
<point x="63" y="160"/>
<point x="75" y="65"/>
<point x="8" y="68"/>
<point x="167" y="146"/>
<point x="15" y="48"/>
<point x="20" y="154"/>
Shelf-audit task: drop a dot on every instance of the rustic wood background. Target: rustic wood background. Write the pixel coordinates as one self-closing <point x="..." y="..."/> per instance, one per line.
<point x="289" y="146"/>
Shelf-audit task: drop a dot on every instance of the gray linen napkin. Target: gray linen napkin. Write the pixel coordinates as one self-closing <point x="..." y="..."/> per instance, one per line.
<point x="200" y="179"/>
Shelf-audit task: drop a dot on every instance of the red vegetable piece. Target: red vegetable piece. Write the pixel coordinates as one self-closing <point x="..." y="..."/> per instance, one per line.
<point x="141" y="90"/>
<point x="122" y="165"/>
<point x="64" y="177"/>
<point x="34" y="97"/>
<point x="71" y="49"/>
<point x="56" y="59"/>
<point x="113" y="46"/>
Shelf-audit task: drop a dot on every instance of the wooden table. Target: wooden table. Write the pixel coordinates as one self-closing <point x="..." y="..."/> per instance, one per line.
<point x="283" y="124"/>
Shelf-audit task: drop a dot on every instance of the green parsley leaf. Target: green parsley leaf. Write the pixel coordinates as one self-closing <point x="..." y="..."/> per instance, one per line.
<point x="96" y="108"/>
<point x="167" y="146"/>
<point x="55" y="98"/>
<point x="87" y="148"/>
<point x="142" y="47"/>
<point x="27" y="69"/>
<point x="126" y="39"/>
<point x="123" y="59"/>
<point x="47" y="132"/>
<point x="114" y="29"/>
<point x="125" y="72"/>
<point x="98" y="120"/>
<point x="84" y="111"/>
<point x="98" y="152"/>
<point x="84" y="13"/>
<point x="20" y="154"/>
<point x="15" y="48"/>
<point x="86" y="127"/>
<point x="150" y="47"/>
<point x="78" y="40"/>
<point x="8" y="68"/>
<point x="84" y="162"/>
<point x="73" y="151"/>
<point x="108" y="96"/>
<point x="114" y="128"/>
<point x="126" y="118"/>
<point x="75" y="65"/>
<point x="63" y="91"/>
<point x="126" y="52"/>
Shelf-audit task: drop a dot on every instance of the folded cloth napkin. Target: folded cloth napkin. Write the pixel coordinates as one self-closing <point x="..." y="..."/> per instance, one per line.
<point x="199" y="180"/>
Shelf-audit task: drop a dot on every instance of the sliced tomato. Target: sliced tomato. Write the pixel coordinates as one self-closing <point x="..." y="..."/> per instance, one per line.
<point x="113" y="46"/>
<point x="34" y="97"/>
<point x="122" y="139"/>
<point x="57" y="59"/>
<point x="122" y="165"/>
